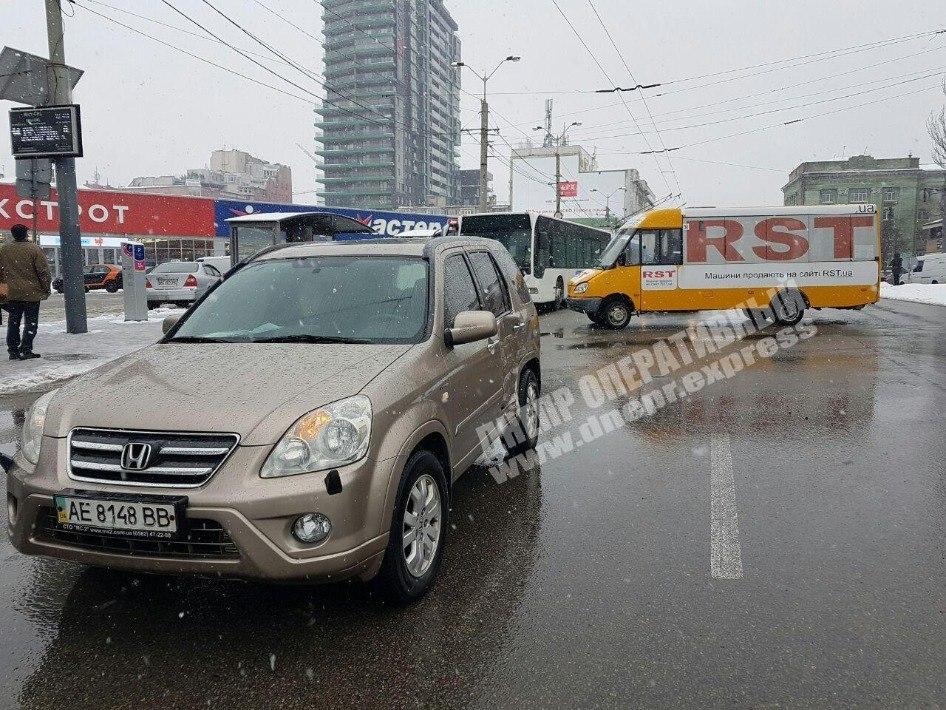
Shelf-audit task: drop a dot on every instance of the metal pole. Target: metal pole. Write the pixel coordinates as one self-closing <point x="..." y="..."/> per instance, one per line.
<point x="70" y="240"/>
<point x="558" y="182"/>
<point x="484" y="146"/>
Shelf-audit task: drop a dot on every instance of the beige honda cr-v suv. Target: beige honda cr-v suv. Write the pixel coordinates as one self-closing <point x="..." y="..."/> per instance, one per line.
<point x="304" y="421"/>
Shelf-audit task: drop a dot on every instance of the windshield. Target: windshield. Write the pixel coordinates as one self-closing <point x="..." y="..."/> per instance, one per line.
<point x="614" y="249"/>
<point x="176" y="267"/>
<point x="513" y="231"/>
<point x="316" y="299"/>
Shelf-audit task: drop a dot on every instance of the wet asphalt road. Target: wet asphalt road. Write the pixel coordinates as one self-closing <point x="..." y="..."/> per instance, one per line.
<point x="589" y="580"/>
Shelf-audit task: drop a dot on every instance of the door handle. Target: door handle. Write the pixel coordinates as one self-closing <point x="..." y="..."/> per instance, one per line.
<point x="519" y="326"/>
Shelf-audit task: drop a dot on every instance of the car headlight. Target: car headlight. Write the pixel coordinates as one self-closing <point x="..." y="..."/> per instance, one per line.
<point x="327" y="437"/>
<point x="581" y="288"/>
<point x="33" y="427"/>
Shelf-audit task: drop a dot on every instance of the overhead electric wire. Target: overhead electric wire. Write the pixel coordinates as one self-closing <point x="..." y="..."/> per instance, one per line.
<point x="640" y="94"/>
<point x="227" y="69"/>
<point x="940" y="72"/>
<point x="699" y="108"/>
<point x="287" y="20"/>
<point x="265" y="45"/>
<point x="611" y="82"/>
<point x="800" y="119"/>
<point x="843" y="51"/>
<point x="175" y="28"/>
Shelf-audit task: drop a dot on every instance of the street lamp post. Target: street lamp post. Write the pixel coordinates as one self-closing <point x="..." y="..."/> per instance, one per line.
<point x="559" y="141"/>
<point x="484" y="126"/>
<point x="607" y="202"/>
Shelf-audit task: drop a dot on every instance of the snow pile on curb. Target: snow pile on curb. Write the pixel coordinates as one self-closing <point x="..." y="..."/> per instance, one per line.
<point x="65" y="356"/>
<point x="934" y="294"/>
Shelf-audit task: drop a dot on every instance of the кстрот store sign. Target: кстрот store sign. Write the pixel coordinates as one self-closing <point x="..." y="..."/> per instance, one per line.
<point x="114" y="213"/>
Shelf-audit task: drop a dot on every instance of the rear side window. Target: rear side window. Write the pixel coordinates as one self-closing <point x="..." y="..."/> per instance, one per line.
<point x="493" y="292"/>
<point x="460" y="291"/>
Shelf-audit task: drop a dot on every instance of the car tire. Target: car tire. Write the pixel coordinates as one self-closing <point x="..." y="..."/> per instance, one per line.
<point x="616" y="312"/>
<point x="112" y="287"/>
<point x="788" y="307"/>
<point x="153" y="304"/>
<point x="596" y="318"/>
<point x="403" y="577"/>
<point x="59" y="289"/>
<point x="527" y="416"/>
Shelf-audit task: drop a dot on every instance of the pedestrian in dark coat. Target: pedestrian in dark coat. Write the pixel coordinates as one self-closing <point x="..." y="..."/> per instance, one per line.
<point x="25" y="272"/>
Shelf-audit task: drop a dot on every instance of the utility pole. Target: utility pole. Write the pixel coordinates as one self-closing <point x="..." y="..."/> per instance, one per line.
<point x="558" y="182"/>
<point x="70" y="240"/>
<point x="484" y="128"/>
<point x="484" y="151"/>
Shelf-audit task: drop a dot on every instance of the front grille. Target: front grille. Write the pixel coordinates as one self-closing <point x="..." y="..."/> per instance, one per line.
<point x="204" y="540"/>
<point x="178" y="460"/>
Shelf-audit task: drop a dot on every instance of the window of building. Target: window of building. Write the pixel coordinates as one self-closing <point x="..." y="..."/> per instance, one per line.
<point x="891" y="194"/>
<point x="828" y="197"/>
<point x="930" y="194"/>
<point x="859" y="194"/>
<point x="888" y="213"/>
<point x="923" y="216"/>
<point x="791" y="199"/>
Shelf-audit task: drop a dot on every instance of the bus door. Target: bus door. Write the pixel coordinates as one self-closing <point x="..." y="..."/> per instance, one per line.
<point x="661" y="260"/>
<point x="625" y="275"/>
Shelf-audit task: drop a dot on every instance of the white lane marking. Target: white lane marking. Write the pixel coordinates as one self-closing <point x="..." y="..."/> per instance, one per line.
<point x="725" y="550"/>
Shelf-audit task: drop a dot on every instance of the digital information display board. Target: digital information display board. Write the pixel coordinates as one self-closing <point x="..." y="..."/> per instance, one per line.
<point x="46" y="132"/>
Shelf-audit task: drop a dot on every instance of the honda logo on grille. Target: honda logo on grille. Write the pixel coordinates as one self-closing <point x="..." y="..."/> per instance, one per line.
<point x="136" y="457"/>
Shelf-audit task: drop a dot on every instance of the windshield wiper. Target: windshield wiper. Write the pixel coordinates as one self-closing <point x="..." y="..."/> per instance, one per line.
<point x="200" y="339"/>
<point x="302" y="338"/>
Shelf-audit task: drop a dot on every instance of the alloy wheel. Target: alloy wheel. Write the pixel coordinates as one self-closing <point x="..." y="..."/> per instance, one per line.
<point x="421" y="526"/>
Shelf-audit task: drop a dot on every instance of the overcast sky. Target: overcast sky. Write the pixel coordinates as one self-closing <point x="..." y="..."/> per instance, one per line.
<point x="148" y="109"/>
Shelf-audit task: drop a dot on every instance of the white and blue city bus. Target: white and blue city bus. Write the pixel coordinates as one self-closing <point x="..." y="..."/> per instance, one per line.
<point x="548" y="250"/>
<point x="253" y="232"/>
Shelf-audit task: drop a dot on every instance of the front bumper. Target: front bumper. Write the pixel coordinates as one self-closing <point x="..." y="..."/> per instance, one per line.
<point x="584" y="305"/>
<point x="256" y="515"/>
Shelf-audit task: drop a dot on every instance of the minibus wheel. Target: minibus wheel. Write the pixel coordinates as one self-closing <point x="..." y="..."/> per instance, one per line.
<point x="788" y="307"/>
<point x="616" y="312"/>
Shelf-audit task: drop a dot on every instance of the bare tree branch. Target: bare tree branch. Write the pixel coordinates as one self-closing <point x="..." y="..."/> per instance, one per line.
<point x="937" y="128"/>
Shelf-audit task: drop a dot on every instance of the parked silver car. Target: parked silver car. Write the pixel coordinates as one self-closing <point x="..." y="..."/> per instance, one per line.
<point x="180" y="282"/>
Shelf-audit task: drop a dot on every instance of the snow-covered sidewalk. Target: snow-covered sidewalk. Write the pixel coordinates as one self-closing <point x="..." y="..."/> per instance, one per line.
<point x="65" y="356"/>
<point x="934" y="294"/>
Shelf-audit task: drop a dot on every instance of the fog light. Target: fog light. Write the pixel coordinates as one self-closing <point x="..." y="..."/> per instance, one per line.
<point x="311" y="528"/>
<point x="11" y="510"/>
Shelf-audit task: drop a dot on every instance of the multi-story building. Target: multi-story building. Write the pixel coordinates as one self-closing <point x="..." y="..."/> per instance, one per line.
<point x="909" y="196"/>
<point x="596" y="197"/>
<point x="469" y="188"/>
<point x="232" y="175"/>
<point x="389" y="128"/>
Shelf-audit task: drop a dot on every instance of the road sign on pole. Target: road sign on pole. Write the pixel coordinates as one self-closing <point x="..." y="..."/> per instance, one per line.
<point x="33" y="178"/>
<point x="24" y="78"/>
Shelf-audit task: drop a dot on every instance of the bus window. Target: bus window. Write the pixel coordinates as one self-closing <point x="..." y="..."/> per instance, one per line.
<point x="251" y="238"/>
<point x="662" y="246"/>
<point x="513" y="231"/>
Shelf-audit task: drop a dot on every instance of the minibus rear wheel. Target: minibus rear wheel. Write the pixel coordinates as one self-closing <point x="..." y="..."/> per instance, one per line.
<point x="616" y="312"/>
<point x="788" y="307"/>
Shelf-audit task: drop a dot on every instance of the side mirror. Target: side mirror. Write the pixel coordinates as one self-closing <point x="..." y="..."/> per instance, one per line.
<point x="169" y="323"/>
<point x="470" y="326"/>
